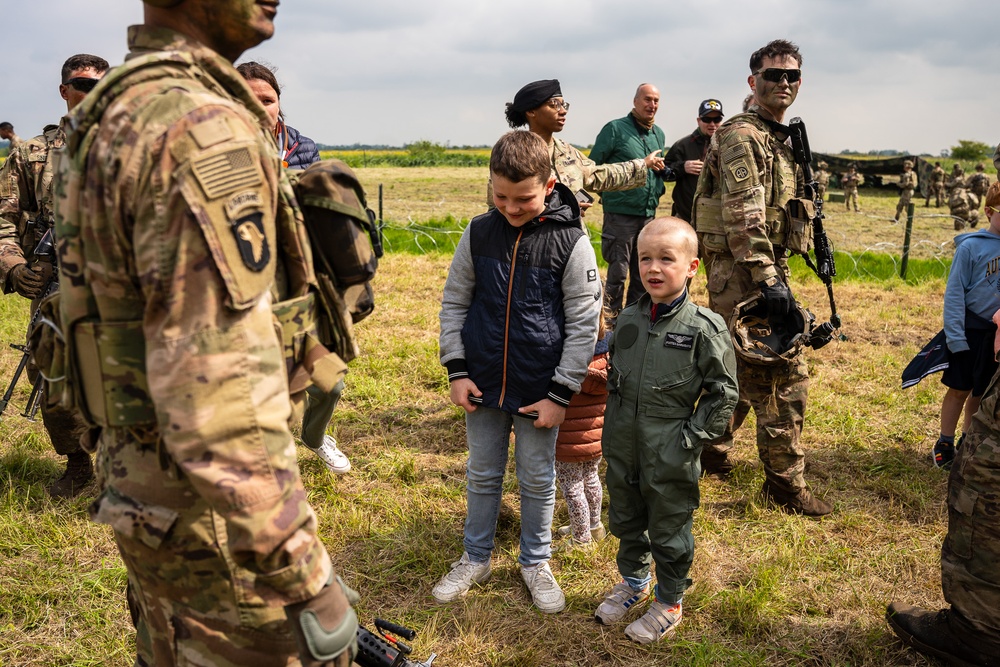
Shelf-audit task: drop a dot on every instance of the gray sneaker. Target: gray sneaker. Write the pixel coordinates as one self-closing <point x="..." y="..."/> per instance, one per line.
<point x="619" y="602"/>
<point x="658" y="621"/>
<point x="464" y="573"/>
<point x="545" y="591"/>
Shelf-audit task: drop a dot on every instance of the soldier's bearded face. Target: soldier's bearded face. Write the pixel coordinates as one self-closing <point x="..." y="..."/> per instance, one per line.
<point x="233" y="26"/>
<point x="775" y="97"/>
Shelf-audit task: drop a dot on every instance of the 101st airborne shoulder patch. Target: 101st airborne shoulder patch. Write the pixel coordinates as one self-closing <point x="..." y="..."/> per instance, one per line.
<point x="251" y="240"/>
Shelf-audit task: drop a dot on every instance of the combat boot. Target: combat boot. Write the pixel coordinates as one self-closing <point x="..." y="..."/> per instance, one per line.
<point x="931" y="632"/>
<point x="78" y="473"/>
<point x="801" y="501"/>
<point x="715" y="464"/>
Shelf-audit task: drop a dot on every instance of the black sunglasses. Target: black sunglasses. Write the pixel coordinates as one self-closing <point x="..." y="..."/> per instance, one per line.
<point x="711" y="119"/>
<point x="776" y="74"/>
<point x="84" y="84"/>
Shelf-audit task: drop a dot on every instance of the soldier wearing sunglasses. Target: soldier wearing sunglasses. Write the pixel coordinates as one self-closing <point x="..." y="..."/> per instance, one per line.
<point x="25" y="215"/>
<point x="742" y="215"/>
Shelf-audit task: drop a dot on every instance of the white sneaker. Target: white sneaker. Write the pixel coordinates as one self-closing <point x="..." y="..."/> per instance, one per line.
<point x="596" y="534"/>
<point x="464" y="573"/>
<point x="658" y="621"/>
<point x="619" y="602"/>
<point x="545" y="591"/>
<point x="336" y="461"/>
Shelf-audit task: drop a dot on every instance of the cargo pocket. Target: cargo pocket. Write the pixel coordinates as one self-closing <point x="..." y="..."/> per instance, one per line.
<point x="962" y="503"/>
<point x="149" y="524"/>
<point x="799" y="215"/>
<point x="719" y="274"/>
<point x="48" y="353"/>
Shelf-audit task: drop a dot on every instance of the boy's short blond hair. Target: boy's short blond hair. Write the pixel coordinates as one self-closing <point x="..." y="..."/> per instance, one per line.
<point x="673" y="226"/>
<point x="993" y="196"/>
<point x="519" y="155"/>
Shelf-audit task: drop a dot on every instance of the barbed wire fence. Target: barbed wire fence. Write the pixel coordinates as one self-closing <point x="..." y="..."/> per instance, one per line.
<point x="874" y="254"/>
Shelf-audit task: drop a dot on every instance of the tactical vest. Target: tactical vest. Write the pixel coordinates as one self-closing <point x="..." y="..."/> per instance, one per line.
<point x="788" y="218"/>
<point x="85" y="359"/>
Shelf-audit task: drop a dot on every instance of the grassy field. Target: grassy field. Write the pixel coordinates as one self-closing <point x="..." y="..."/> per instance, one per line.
<point x="769" y="589"/>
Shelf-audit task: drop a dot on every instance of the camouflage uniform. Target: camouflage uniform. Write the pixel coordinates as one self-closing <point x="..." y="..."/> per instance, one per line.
<point x="964" y="207"/>
<point x="15" y="141"/>
<point x="25" y="215"/>
<point x="979" y="182"/>
<point x="822" y="180"/>
<point x="167" y="264"/>
<point x="936" y="186"/>
<point x="969" y="575"/>
<point x="907" y="184"/>
<point x="577" y="172"/>
<point x="748" y="179"/>
<point x="851" y="180"/>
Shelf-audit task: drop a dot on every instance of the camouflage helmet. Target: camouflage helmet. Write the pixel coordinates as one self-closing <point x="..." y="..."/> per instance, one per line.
<point x="822" y="165"/>
<point x="757" y="341"/>
<point x="907" y="163"/>
<point x="980" y="166"/>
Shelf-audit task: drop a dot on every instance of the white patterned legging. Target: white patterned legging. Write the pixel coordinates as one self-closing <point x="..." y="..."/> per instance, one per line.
<point x="581" y="487"/>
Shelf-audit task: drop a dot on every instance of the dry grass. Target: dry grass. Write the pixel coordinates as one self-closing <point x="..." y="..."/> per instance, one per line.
<point x="769" y="589"/>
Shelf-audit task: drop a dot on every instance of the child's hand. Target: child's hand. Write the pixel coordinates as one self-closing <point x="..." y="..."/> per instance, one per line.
<point x="550" y="413"/>
<point x="461" y="390"/>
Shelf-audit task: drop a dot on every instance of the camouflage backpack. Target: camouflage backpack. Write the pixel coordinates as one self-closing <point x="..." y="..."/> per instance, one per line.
<point x="346" y="244"/>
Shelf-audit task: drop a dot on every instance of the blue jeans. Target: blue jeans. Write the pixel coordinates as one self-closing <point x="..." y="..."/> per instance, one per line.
<point x="488" y="434"/>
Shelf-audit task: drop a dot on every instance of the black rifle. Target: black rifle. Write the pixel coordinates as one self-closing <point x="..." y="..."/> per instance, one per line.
<point x="381" y="650"/>
<point x="44" y="251"/>
<point x="825" y="266"/>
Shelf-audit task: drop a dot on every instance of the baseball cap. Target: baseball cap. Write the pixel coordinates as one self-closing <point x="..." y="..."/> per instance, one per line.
<point x="709" y="106"/>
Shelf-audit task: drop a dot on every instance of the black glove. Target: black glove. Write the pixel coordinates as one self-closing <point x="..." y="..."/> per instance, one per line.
<point x="326" y="627"/>
<point x="778" y="297"/>
<point x="26" y="282"/>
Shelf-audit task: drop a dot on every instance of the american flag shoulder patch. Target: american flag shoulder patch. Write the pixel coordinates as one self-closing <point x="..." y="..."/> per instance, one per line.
<point x="221" y="173"/>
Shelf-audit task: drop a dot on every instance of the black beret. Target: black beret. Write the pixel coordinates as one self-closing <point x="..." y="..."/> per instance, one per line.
<point x="535" y="94"/>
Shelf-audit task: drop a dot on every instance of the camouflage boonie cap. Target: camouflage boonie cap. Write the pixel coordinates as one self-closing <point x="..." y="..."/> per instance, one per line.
<point x="907" y="163"/>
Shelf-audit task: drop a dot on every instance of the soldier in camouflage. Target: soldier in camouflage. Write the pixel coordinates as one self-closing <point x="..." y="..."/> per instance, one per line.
<point x="979" y="182"/>
<point x="7" y="133"/>
<point x="967" y="632"/>
<point x="956" y="179"/>
<point x="745" y="217"/>
<point x="850" y="182"/>
<point x="540" y="106"/>
<point x="907" y="184"/>
<point x="936" y="187"/>
<point x="177" y="233"/>
<point x="822" y="179"/>
<point x="25" y="215"/>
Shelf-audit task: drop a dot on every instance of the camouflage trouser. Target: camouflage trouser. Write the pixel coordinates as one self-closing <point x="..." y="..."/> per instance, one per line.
<point x="821" y="191"/>
<point x="194" y="605"/>
<point x="851" y="196"/>
<point x="618" y="236"/>
<point x="970" y="577"/>
<point x="964" y="208"/>
<point x="935" y="190"/>
<point x="64" y="428"/>
<point x="777" y="393"/>
<point x="905" y="197"/>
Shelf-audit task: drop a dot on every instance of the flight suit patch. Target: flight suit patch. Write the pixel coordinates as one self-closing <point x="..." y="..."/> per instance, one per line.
<point x="251" y="241"/>
<point x="679" y="341"/>
<point x="626" y="336"/>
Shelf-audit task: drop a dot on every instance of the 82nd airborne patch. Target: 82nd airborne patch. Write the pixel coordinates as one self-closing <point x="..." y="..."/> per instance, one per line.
<point x="740" y="170"/>
<point x="251" y="241"/>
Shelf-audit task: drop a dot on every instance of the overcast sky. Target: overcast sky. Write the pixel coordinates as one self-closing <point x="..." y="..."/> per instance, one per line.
<point x="915" y="75"/>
